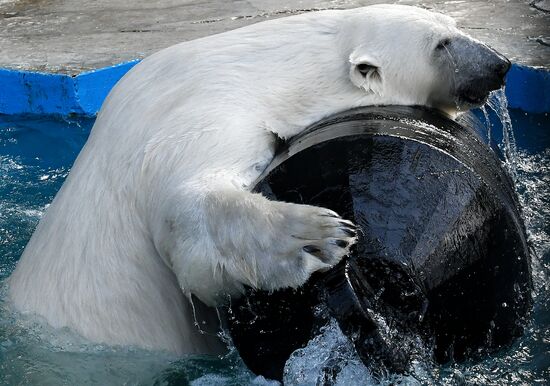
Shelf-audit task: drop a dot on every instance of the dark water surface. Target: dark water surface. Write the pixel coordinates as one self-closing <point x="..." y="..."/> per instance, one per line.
<point x="35" y="157"/>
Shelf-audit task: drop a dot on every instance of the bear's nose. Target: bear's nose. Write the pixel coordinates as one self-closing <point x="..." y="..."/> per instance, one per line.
<point x="503" y="67"/>
<point x="497" y="66"/>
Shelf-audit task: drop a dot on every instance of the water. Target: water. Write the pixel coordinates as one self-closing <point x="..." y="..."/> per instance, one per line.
<point x="35" y="157"/>
<point x="498" y="103"/>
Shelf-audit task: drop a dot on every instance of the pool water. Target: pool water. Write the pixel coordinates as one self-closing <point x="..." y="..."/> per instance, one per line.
<point x="36" y="156"/>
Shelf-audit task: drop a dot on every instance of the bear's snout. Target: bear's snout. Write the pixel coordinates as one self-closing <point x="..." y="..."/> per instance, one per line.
<point x="478" y="70"/>
<point x="497" y="67"/>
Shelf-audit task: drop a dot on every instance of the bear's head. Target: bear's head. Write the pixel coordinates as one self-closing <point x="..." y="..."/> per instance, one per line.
<point x="411" y="56"/>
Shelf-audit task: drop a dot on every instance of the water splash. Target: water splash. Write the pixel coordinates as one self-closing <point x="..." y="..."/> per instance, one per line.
<point x="533" y="186"/>
<point x="487" y="122"/>
<point x="499" y="104"/>
<point x="329" y="358"/>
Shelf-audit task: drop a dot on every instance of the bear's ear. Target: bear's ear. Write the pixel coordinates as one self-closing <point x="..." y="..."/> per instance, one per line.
<point x="365" y="73"/>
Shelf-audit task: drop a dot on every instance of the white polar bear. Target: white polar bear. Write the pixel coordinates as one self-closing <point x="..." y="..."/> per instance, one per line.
<point x="158" y="205"/>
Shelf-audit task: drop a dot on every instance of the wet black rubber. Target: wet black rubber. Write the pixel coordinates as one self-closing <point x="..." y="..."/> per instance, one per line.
<point x="442" y="253"/>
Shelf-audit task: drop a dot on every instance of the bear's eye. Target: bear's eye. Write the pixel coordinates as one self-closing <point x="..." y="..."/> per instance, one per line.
<point x="364" y="68"/>
<point x="443" y="44"/>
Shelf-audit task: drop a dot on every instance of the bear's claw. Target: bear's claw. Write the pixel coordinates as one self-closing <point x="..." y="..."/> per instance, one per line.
<point x="349" y="232"/>
<point x="312" y="249"/>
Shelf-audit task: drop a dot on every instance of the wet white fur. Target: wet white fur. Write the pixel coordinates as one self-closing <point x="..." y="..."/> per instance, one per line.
<point x="157" y="205"/>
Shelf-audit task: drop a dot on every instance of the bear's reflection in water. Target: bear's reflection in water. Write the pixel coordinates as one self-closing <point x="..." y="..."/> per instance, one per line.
<point x="442" y="261"/>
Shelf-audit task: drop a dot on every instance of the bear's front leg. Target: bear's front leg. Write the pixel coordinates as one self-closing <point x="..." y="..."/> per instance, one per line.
<point x="220" y="239"/>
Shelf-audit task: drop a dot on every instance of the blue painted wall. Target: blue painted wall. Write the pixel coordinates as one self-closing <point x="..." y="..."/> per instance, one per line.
<point x="528" y="88"/>
<point x="23" y="92"/>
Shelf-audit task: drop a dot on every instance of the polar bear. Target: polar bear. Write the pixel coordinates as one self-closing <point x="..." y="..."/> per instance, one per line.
<point x="158" y="209"/>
